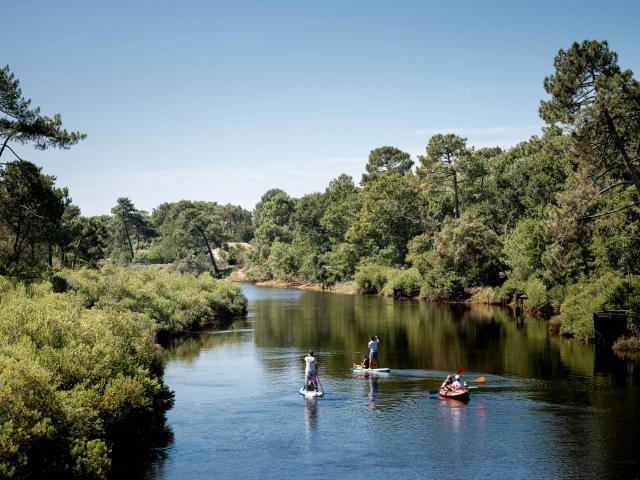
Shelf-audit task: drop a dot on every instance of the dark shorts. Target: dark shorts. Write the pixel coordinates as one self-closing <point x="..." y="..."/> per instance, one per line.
<point x="374" y="355"/>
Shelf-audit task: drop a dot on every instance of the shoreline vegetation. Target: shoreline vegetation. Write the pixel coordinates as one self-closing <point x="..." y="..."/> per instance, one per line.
<point x="81" y="390"/>
<point x="83" y="300"/>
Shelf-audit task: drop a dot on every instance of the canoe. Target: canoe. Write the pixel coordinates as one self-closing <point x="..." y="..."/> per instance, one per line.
<point x="311" y="393"/>
<point x="462" y="395"/>
<point x="372" y="370"/>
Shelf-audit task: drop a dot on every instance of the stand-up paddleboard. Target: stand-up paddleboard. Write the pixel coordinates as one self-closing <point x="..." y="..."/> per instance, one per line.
<point x="311" y="393"/>
<point x="357" y="368"/>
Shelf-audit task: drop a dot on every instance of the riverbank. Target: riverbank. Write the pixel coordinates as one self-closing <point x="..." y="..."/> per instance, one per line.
<point x="482" y="295"/>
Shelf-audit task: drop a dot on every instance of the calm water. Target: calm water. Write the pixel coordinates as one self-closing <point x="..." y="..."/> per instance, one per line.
<point x="550" y="408"/>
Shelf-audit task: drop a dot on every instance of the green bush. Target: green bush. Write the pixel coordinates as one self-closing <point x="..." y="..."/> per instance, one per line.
<point x="537" y="293"/>
<point x="630" y="344"/>
<point x="175" y="302"/>
<point x="583" y="299"/>
<point x="371" y="279"/>
<point x="59" y="364"/>
<point x="404" y="283"/>
<point x="488" y="295"/>
<point x="59" y="284"/>
<point x="194" y="264"/>
<point x="441" y="284"/>
<point x="627" y="297"/>
<point x="258" y="273"/>
<point x="510" y="288"/>
<point x="555" y="324"/>
<point x="141" y="258"/>
<point x="556" y="295"/>
<point x="80" y="371"/>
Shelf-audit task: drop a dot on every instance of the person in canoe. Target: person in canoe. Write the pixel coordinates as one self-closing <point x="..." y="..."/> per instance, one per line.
<point x="457" y="386"/>
<point x="310" y="371"/>
<point x="447" y="384"/>
<point x="373" y="351"/>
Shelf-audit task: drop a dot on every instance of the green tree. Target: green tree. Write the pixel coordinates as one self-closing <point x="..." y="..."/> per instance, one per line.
<point x="22" y="124"/>
<point x="444" y="152"/>
<point x="30" y="207"/>
<point x="274" y="206"/>
<point x="469" y="248"/>
<point x="344" y="204"/>
<point x="386" y="160"/>
<point x="524" y="247"/>
<point x="124" y="219"/>
<point x="600" y="105"/>
<point x="390" y="217"/>
<point x="197" y="224"/>
<point x="91" y="234"/>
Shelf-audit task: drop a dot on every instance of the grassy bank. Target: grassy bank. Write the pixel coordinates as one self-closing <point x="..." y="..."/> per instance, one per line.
<point x="80" y="369"/>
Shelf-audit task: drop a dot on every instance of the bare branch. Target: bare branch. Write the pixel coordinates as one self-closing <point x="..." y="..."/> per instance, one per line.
<point x="614" y="186"/>
<point x="609" y="212"/>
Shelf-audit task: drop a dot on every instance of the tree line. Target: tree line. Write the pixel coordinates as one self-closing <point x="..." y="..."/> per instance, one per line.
<point x="546" y="218"/>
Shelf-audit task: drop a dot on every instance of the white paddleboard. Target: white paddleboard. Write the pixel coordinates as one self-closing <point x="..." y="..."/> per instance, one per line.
<point x="373" y="370"/>
<point x="311" y="393"/>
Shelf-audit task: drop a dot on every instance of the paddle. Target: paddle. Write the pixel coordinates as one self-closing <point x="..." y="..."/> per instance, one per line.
<point x="318" y="378"/>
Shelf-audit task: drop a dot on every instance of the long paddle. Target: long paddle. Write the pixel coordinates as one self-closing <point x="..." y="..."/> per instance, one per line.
<point x="319" y="383"/>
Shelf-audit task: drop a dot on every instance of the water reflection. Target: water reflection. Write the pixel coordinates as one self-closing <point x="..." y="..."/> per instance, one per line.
<point x="310" y="415"/>
<point x="373" y="389"/>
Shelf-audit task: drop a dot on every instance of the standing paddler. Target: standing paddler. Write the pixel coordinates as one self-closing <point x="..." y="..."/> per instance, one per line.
<point x="310" y="371"/>
<point x="373" y="351"/>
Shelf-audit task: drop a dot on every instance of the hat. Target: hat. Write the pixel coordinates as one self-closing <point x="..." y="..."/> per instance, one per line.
<point x="457" y="376"/>
<point x="363" y="356"/>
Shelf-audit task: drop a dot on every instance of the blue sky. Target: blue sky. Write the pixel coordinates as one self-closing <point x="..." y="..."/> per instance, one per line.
<point x="222" y="101"/>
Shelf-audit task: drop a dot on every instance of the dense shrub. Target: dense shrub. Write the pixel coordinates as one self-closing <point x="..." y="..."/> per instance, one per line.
<point x="371" y="279"/>
<point x="194" y="264"/>
<point x="80" y="371"/>
<point x="175" y="302"/>
<point x="441" y="284"/>
<point x="404" y="283"/>
<point x="556" y="295"/>
<point x="70" y="380"/>
<point x="555" y="324"/>
<point x="583" y="298"/>
<point x="537" y="293"/>
<point x="59" y="284"/>
<point x="488" y="295"/>
<point x="258" y="273"/>
<point x="627" y="344"/>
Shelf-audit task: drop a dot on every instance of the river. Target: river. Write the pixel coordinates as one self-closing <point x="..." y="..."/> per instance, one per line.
<point x="549" y="407"/>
